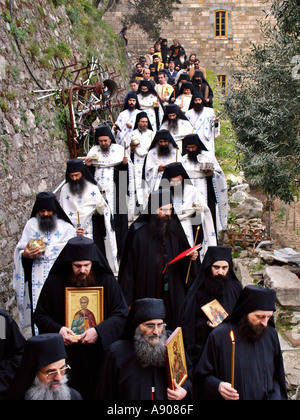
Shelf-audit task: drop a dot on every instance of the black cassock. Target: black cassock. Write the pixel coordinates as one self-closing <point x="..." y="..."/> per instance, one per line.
<point x="195" y="326"/>
<point x="11" y="351"/>
<point x="144" y="260"/>
<point x="122" y="378"/>
<point x="49" y="317"/>
<point x="259" y="371"/>
<point x="193" y="319"/>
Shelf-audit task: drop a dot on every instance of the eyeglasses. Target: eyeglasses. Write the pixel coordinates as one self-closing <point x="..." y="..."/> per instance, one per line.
<point x="50" y="374"/>
<point x="151" y="327"/>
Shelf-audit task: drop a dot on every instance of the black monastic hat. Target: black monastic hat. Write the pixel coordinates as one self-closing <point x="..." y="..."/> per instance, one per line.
<point x="141" y="311"/>
<point x="40" y="351"/>
<point x="251" y="299"/>
<point x="80" y="249"/>
<point x="77" y="165"/>
<point x="48" y="201"/>
<point x="104" y="130"/>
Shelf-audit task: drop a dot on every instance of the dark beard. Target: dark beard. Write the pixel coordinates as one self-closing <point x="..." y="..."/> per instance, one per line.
<point x="47" y="223"/>
<point x="163" y="151"/>
<point x="76" y="282"/>
<point x="249" y="331"/>
<point x="104" y="148"/>
<point x="173" y="125"/>
<point x="193" y="156"/>
<point x="145" y="94"/>
<point x="159" y="227"/>
<point x="77" y="187"/>
<point x="198" y="108"/>
<point x="147" y="354"/>
<point x="215" y="284"/>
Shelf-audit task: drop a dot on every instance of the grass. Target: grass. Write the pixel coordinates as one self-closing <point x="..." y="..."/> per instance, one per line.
<point x="225" y="149"/>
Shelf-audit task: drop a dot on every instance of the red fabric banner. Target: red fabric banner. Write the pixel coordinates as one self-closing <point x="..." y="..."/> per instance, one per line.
<point x="183" y="255"/>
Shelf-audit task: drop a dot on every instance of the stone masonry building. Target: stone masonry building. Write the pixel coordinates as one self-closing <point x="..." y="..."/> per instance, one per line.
<point x="215" y="30"/>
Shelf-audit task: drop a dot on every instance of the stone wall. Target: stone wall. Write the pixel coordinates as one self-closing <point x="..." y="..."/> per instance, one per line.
<point x="33" y="143"/>
<point x="193" y="25"/>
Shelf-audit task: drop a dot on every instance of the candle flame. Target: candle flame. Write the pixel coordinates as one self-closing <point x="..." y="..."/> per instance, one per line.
<point x="198" y="228"/>
<point x="232" y="336"/>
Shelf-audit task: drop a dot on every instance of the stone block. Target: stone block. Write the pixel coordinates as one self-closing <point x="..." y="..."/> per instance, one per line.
<point x="250" y="208"/>
<point x="291" y="365"/>
<point x="242" y="273"/>
<point x="286" y="285"/>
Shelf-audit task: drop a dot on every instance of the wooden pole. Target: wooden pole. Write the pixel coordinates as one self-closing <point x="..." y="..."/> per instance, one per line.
<point x="190" y="264"/>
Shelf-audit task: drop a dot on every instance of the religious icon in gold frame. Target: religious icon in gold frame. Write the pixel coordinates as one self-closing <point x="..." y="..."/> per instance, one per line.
<point x="84" y="308"/>
<point x="176" y="361"/>
<point x="215" y="312"/>
<point x="160" y="66"/>
<point x="167" y="91"/>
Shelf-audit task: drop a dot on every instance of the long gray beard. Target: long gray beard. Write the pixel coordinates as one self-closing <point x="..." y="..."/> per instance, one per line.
<point x="42" y="392"/>
<point x="149" y="355"/>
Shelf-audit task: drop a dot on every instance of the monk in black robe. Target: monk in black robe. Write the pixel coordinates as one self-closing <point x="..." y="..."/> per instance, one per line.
<point x="12" y="345"/>
<point x="209" y="284"/>
<point x="134" y="367"/>
<point x="258" y="371"/>
<point x="154" y="240"/>
<point x="85" y="355"/>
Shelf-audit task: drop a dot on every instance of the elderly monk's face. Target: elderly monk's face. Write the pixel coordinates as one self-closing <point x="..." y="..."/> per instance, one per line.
<point x="52" y="373"/>
<point x="152" y="330"/>
<point x="220" y="268"/>
<point x="258" y="318"/>
<point x="143" y="124"/>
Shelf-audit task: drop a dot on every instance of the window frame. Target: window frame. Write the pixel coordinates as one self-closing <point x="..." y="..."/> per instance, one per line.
<point x="223" y="83"/>
<point x="218" y="13"/>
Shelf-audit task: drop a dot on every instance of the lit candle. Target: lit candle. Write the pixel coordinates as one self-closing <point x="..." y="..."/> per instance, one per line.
<point x="78" y="218"/>
<point x="232" y="358"/>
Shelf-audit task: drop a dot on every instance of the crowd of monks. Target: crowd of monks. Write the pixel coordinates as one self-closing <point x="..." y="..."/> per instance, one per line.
<point x="136" y="226"/>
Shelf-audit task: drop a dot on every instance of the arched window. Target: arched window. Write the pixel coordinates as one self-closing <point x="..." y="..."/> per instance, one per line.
<point x="221" y="23"/>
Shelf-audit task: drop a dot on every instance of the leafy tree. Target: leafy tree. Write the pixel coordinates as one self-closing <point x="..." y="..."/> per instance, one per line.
<point x="148" y="15"/>
<point x="264" y="101"/>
